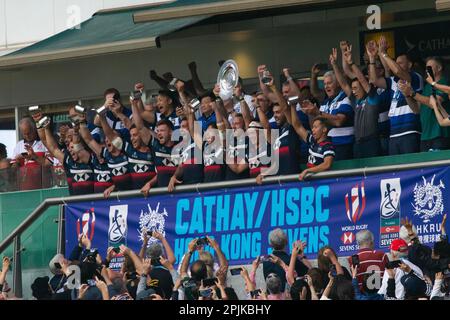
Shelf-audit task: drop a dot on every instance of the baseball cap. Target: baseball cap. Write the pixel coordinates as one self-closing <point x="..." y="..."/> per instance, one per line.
<point x="414" y="286"/>
<point x="399" y="245"/>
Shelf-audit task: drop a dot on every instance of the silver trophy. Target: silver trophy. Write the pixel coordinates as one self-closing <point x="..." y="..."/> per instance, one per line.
<point x="136" y="95"/>
<point x="101" y="111"/>
<point x="43" y="123"/>
<point x="293" y="100"/>
<point x="80" y="109"/>
<point x="266" y="77"/>
<point x="228" y="79"/>
<point x="34" y="109"/>
<point x="195" y="103"/>
<point x="171" y="86"/>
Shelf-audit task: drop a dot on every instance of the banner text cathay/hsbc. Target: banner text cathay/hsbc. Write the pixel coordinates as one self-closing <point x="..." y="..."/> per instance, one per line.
<point x="323" y="212"/>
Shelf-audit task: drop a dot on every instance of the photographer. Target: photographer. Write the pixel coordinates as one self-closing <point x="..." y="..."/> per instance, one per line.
<point x="400" y="266"/>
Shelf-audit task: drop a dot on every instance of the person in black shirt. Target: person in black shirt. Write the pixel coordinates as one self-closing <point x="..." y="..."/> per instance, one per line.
<point x="190" y="167"/>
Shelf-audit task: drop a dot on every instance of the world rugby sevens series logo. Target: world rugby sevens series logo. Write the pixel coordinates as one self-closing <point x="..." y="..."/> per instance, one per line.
<point x="88" y="216"/>
<point x="356" y="208"/>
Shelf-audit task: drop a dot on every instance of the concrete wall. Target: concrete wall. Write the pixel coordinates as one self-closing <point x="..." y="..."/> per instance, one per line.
<point x="23" y="22"/>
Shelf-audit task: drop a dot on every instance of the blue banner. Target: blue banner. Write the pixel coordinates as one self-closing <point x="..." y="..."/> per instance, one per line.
<point x="325" y="212"/>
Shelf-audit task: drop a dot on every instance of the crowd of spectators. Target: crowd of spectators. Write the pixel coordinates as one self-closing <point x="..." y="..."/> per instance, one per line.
<point x="409" y="271"/>
<point x="187" y="134"/>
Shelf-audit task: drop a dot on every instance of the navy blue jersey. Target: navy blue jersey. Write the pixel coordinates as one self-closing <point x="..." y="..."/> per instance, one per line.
<point x="172" y="118"/>
<point x="102" y="175"/>
<point x="80" y="176"/>
<point x="318" y="151"/>
<point x="340" y="105"/>
<point x="115" y="123"/>
<point x="213" y="163"/>
<point x="192" y="162"/>
<point x="237" y="150"/>
<point x="140" y="164"/>
<point x="119" y="169"/>
<point x="165" y="162"/>
<point x="403" y="120"/>
<point x="286" y="147"/>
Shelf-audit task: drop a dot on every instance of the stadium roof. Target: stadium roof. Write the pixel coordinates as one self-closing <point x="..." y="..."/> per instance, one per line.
<point x="134" y="28"/>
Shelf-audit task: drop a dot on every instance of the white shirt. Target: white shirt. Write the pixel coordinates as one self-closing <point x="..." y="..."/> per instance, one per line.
<point x="399" y="273"/>
<point x="237" y="107"/>
<point x="38" y="148"/>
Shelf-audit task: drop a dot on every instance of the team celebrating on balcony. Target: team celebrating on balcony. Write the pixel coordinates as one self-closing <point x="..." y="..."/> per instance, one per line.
<point x="189" y="135"/>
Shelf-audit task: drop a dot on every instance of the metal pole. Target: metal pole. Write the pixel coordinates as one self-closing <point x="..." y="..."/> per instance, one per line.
<point x="17" y="265"/>
<point x="61" y="246"/>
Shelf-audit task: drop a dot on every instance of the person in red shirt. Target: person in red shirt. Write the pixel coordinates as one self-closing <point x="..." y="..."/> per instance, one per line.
<point x="370" y="260"/>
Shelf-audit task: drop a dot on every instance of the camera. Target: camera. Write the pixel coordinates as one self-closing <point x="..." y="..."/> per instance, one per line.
<point x="255" y="293"/>
<point x="333" y="271"/>
<point x="136" y="95"/>
<point x="171" y="86"/>
<point x="355" y="260"/>
<point x="206" y="293"/>
<point x="393" y="264"/>
<point x="91" y="283"/>
<point x="195" y="103"/>
<point x="92" y="255"/>
<point x="235" y="271"/>
<point x="202" y="241"/>
<point x="293" y="100"/>
<point x="265" y="259"/>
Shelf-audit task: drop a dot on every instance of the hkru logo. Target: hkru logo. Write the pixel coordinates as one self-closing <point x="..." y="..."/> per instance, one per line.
<point x="118" y="226"/>
<point x="358" y="203"/>
<point x="84" y="228"/>
<point x="428" y="200"/>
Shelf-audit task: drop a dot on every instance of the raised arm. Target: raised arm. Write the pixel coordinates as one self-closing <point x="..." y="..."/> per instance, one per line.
<point x="109" y="132"/>
<point x="87" y="137"/>
<point x="262" y="86"/>
<point x="166" y="245"/>
<point x="265" y="123"/>
<point x="393" y="66"/>
<point x="339" y="76"/>
<point x="372" y="52"/>
<point x="356" y="71"/>
<point x="187" y="258"/>
<point x="345" y="46"/>
<point x="280" y="99"/>
<point x="297" y="124"/>
<point x="145" y="133"/>
<point x="245" y="112"/>
<point x="52" y="145"/>
<point x="441" y="114"/>
<point x="223" y="262"/>
<point x="292" y="84"/>
<point x="135" y="258"/>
